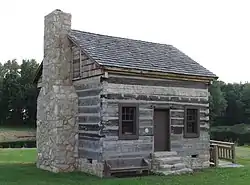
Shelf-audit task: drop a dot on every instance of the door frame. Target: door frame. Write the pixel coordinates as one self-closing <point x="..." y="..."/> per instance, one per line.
<point x="167" y="109"/>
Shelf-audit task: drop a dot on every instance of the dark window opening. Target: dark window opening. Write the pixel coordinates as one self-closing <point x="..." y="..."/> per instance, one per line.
<point x="194" y="156"/>
<point x="90" y="160"/>
<point x="192" y="122"/>
<point x="128" y="121"/>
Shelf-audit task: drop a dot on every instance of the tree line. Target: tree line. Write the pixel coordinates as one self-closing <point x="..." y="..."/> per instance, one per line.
<point x="229" y="102"/>
<point x="18" y="93"/>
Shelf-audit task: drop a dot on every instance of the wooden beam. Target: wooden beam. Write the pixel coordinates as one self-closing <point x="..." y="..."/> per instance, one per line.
<point x="162" y="75"/>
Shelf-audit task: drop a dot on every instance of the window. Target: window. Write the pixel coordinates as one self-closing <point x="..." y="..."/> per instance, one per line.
<point x="192" y="122"/>
<point x="128" y="121"/>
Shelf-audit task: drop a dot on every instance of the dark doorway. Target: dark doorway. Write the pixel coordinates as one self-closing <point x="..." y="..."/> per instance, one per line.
<point x="161" y="130"/>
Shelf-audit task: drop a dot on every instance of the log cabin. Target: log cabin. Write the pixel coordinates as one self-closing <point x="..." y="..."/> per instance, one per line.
<point x="111" y="105"/>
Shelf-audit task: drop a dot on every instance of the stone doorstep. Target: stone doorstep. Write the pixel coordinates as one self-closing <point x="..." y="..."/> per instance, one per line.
<point x="169" y="160"/>
<point x="164" y="154"/>
<point x="177" y="166"/>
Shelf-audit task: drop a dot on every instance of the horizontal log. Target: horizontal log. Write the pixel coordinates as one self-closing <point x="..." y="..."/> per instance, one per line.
<point x="91" y="73"/>
<point x="117" y="96"/>
<point x="89" y="66"/>
<point x="115" y="122"/>
<point x="114" y="130"/>
<point x="89" y="117"/>
<point x="89" y="92"/>
<point x="177" y="114"/>
<point x="109" y="88"/>
<point x="114" y="112"/>
<point x="109" y="118"/>
<point x="95" y="155"/>
<point x="90" y="127"/>
<point x="122" y="147"/>
<point x="115" y="155"/>
<point x="172" y="105"/>
<point x="91" y="133"/>
<point x="88" y="83"/>
<point x="177" y="122"/>
<point x="114" y="105"/>
<point x="154" y="82"/>
<point x="90" y="144"/>
<point x="113" y="139"/>
<point x="89" y="109"/>
<point x="83" y="136"/>
<point x="89" y="100"/>
<point x="76" y="75"/>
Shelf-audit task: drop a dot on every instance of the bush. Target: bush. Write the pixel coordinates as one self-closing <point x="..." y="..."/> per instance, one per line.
<point x="18" y="144"/>
<point x="239" y="134"/>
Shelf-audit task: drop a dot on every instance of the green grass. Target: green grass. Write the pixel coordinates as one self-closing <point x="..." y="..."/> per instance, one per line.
<point x="17" y="156"/>
<point x="13" y="171"/>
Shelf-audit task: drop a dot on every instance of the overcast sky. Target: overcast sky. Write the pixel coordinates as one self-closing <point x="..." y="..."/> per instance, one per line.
<point x="215" y="33"/>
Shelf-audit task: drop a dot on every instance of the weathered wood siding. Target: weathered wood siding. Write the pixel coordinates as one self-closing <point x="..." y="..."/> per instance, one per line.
<point x="147" y="93"/>
<point x="82" y="65"/>
<point x="89" y="117"/>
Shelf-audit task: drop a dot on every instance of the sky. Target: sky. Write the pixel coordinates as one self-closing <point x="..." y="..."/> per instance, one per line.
<point x="215" y="33"/>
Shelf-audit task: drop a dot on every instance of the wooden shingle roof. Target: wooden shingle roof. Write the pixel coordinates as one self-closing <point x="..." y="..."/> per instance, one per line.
<point x="135" y="54"/>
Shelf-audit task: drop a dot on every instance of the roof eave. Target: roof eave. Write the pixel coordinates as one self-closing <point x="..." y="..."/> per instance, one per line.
<point x="130" y="71"/>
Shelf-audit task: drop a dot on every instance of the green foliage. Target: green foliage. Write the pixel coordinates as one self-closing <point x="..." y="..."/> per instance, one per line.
<point x="18" y="144"/>
<point x="229" y="103"/>
<point x="239" y="133"/>
<point x="18" y="93"/>
<point x="218" y="102"/>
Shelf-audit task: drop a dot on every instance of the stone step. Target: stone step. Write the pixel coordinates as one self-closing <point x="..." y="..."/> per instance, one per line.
<point x="176" y="166"/>
<point x="175" y="172"/>
<point x="169" y="160"/>
<point x="164" y="154"/>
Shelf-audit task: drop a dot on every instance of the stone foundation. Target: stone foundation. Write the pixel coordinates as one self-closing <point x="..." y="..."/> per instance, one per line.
<point x="202" y="161"/>
<point x="91" y="167"/>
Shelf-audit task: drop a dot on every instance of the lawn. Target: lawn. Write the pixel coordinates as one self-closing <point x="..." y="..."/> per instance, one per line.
<point x="17" y="168"/>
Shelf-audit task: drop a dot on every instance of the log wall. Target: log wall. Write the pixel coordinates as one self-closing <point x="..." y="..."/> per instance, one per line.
<point x="82" y="65"/>
<point x="149" y="93"/>
<point x="89" y="118"/>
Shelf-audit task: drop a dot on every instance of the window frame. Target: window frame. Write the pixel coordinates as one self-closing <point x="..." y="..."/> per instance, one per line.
<point x="122" y="136"/>
<point x="192" y="135"/>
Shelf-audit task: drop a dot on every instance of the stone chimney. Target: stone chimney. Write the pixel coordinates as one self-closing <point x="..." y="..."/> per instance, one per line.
<point x="57" y="130"/>
<point x="57" y="51"/>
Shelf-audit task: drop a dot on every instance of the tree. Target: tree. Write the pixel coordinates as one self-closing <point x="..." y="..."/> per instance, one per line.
<point x="18" y="93"/>
<point x="246" y="102"/>
<point x="217" y="103"/>
<point x="235" y="108"/>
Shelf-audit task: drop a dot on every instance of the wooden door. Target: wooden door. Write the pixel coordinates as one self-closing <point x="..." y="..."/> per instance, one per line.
<point x="161" y="130"/>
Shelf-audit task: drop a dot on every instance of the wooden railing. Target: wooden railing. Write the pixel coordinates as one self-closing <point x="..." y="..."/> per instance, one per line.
<point x="221" y="150"/>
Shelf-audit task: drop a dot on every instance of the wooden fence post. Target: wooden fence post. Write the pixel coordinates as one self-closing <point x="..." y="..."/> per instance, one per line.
<point x="233" y="153"/>
<point x="216" y="157"/>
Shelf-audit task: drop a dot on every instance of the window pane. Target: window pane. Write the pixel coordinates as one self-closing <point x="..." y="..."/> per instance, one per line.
<point x="192" y="121"/>
<point x="128" y="120"/>
<point x="127" y="128"/>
